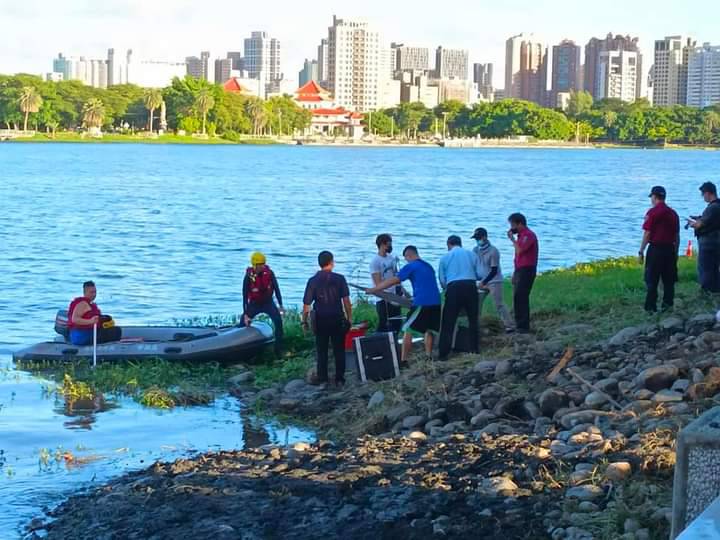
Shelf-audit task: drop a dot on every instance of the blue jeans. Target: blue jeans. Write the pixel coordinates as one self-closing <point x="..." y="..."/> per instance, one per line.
<point x="709" y="268"/>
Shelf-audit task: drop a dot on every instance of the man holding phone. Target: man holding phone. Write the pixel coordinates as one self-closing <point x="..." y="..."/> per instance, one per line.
<point x="707" y="231"/>
<point x="661" y="237"/>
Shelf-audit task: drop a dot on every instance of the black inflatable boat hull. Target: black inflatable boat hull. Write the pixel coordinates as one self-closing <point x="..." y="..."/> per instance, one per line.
<point x="233" y="344"/>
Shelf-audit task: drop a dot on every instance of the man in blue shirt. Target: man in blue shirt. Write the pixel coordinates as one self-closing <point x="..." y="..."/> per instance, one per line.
<point x="459" y="272"/>
<point x="425" y="314"/>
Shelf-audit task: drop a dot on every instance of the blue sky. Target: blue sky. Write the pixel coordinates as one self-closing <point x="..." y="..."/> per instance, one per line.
<point x="34" y="31"/>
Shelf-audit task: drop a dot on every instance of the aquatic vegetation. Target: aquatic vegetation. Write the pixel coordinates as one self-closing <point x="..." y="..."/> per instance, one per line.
<point x="157" y="398"/>
<point x="74" y="390"/>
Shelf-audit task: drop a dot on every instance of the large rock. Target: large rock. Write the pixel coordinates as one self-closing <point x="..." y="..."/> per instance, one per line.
<point x="657" y="378"/>
<point x="295" y="386"/>
<point x="672" y="324"/>
<point x="618" y="471"/>
<point x="699" y="323"/>
<point x="485" y="367"/>
<point x="410" y="422"/>
<point x="499" y="486"/>
<point x="667" y="396"/>
<point x="572" y="419"/>
<point x="241" y="378"/>
<point x="551" y="401"/>
<point x="625" y="335"/>
<point x="398" y="413"/>
<point x="376" y="399"/>
<point x="596" y="399"/>
<point x="456" y="411"/>
<point x="584" y="493"/>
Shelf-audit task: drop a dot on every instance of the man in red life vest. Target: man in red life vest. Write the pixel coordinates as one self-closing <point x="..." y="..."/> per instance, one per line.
<point x="83" y="314"/>
<point x="259" y="286"/>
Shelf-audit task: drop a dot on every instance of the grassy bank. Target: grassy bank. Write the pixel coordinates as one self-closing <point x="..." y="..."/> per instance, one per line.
<point x="69" y="137"/>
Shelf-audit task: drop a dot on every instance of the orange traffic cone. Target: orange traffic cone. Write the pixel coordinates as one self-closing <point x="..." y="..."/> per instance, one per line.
<point x="689" y="249"/>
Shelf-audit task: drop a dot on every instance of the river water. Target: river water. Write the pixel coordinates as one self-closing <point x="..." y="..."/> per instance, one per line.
<point x="166" y="232"/>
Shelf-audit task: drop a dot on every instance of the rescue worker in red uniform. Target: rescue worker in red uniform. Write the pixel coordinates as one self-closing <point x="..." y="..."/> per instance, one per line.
<point x="83" y="314"/>
<point x="259" y="287"/>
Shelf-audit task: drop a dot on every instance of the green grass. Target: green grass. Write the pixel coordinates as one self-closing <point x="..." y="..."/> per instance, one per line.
<point x="607" y="294"/>
<point x="120" y="138"/>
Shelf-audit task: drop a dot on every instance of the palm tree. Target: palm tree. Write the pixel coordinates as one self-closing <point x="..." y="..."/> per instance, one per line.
<point x="30" y="102"/>
<point x="609" y="119"/>
<point x="93" y="113"/>
<point x="152" y="99"/>
<point x="204" y="103"/>
<point x="712" y="122"/>
<point x="257" y="112"/>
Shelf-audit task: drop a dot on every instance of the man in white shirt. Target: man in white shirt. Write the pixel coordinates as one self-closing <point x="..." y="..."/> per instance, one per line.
<point x="383" y="266"/>
<point x="489" y="257"/>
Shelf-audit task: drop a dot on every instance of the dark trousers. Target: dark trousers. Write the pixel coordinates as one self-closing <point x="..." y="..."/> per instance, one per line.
<point x="387" y="311"/>
<point x="522" y="281"/>
<point x="709" y="267"/>
<point x="330" y="331"/>
<point x="272" y="311"/>
<point x="459" y="296"/>
<point x="660" y="263"/>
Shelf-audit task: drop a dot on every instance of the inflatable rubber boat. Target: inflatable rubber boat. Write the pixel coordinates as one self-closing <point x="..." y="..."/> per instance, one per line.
<point x="226" y="344"/>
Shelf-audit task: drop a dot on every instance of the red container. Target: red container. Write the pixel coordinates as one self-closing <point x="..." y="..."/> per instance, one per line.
<point x="358" y="330"/>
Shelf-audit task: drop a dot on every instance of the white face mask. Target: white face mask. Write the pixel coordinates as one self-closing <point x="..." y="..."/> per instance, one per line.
<point x="482" y="243"/>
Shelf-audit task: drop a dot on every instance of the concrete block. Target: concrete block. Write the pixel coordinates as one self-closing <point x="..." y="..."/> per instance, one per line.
<point x="697" y="470"/>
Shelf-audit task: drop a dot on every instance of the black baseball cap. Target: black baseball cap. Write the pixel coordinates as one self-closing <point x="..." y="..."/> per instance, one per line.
<point x="480" y="232"/>
<point x="659" y="191"/>
<point x="708" y="187"/>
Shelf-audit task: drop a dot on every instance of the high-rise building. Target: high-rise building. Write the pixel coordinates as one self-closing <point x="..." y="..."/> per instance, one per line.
<point x="88" y="71"/>
<point x="526" y="68"/>
<point x="483" y="77"/>
<point x="145" y="73"/>
<point x="670" y="70"/>
<point x="565" y="69"/>
<point x="410" y="58"/>
<point x="617" y="75"/>
<point x="703" y="88"/>
<point x="308" y="73"/>
<point x="593" y="50"/>
<point x="322" y="61"/>
<point x="237" y="60"/>
<point x="262" y="60"/>
<point x="223" y="70"/>
<point x="354" y="64"/>
<point x="451" y="64"/>
<point x="199" y="67"/>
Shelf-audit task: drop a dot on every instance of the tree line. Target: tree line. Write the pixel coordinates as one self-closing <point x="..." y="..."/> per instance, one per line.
<point x="193" y="105"/>
<point x="197" y="106"/>
<point x="609" y="120"/>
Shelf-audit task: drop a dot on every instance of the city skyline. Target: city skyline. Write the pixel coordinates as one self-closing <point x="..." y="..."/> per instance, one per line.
<point x="183" y="27"/>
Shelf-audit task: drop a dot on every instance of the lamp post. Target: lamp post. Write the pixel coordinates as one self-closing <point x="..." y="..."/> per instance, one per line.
<point x="445" y="125"/>
<point x="392" y="127"/>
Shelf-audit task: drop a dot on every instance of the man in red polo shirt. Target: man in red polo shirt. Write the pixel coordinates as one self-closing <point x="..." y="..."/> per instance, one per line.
<point x="526" y="260"/>
<point x="662" y="235"/>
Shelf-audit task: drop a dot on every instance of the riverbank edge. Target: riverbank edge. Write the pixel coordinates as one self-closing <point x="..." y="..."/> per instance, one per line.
<point x="264" y="141"/>
<point x="401" y="427"/>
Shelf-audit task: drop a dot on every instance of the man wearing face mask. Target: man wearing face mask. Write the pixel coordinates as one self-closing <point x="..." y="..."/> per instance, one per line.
<point x="489" y="257"/>
<point x="384" y="266"/>
<point x="526" y="259"/>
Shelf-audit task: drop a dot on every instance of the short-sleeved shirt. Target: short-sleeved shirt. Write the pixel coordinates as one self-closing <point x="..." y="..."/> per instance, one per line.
<point x="325" y="291"/>
<point x="709" y="233"/>
<point x="424" y="283"/>
<point x="386" y="266"/>
<point x="489" y="258"/>
<point x="529" y="249"/>
<point x="662" y="223"/>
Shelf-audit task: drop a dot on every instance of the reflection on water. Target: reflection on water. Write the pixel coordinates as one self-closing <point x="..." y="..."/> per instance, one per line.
<point x="49" y="448"/>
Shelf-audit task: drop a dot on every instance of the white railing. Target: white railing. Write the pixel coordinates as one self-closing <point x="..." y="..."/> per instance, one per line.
<point x="13" y="133"/>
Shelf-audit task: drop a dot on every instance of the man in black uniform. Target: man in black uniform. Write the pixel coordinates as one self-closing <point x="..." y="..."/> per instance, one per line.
<point x="329" y="296"/>
<point x="707" y="231"/>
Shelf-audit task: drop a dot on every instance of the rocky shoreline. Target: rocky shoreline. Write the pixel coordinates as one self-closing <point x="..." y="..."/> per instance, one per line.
<point x="505" y="447"/>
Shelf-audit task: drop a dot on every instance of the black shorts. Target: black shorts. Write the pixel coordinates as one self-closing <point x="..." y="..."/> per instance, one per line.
<point x="423" y="319"/>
